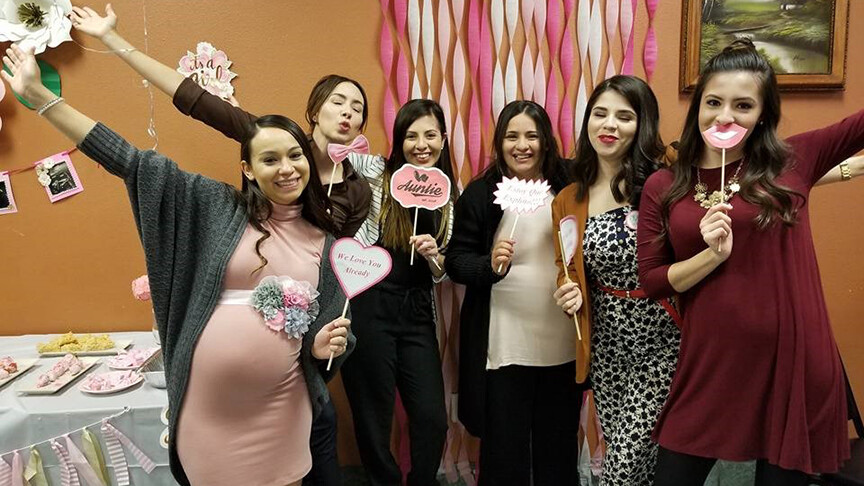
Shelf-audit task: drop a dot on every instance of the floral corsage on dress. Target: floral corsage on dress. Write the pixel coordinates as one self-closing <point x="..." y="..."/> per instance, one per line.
<point x="287" y="305"/>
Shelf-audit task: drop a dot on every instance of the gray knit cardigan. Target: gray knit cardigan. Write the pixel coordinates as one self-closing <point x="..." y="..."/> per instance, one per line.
<point x="189" y="227"/>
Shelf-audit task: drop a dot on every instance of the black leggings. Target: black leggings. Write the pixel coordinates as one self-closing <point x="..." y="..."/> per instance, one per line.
<point x="677" y="469"/>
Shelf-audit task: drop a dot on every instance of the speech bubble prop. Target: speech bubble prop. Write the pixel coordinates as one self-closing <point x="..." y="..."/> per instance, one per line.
<point x="420" y="187"/>
<point x="208" y="67"/>
<point x="521" y="196"/>
<point x="569" y="238"/>
<point x="724" y="136"/>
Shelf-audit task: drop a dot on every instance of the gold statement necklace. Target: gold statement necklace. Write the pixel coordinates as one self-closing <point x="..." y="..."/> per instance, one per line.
<point x="706" y="201"/>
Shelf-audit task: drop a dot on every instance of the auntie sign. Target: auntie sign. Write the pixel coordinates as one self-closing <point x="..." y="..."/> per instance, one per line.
<point x="420" y="187"/>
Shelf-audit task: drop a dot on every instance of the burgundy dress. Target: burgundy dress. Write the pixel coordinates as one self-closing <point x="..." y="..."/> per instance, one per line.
<point x="759" y="374"/>
<point x="246" y="417"/>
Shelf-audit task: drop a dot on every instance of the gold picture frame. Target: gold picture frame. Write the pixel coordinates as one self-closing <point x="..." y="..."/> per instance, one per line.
<point x="805" y="40"/>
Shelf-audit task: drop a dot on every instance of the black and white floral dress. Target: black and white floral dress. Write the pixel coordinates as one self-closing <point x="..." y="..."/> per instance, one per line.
<point x="634" y="349"/>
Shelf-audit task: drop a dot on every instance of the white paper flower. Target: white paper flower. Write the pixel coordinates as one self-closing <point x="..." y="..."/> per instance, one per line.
<point x="35" y="23"/>
<point x="44" y="179"/>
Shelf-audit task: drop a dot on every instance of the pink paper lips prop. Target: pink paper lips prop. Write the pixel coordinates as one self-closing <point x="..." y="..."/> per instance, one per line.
<point x="420" y="187"/>
<point x="724" y="136"/>
<point x="357" y="267"/>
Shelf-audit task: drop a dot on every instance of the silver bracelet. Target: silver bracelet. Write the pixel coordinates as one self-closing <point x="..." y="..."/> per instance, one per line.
<point x="49" y="105"/>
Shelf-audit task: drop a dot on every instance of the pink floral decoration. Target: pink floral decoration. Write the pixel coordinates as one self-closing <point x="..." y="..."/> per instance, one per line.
<point x="141" y="288"/>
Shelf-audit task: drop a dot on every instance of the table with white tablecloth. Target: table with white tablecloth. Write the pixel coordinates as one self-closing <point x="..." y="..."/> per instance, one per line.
<point x="32" y="419"/>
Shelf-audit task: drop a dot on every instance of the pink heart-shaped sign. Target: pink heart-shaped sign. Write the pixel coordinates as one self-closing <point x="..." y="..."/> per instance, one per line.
<point x="420" y="187"/>
<point x="357" y="267"/>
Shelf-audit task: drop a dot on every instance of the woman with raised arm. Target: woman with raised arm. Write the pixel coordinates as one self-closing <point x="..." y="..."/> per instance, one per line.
<point x="631" y="341"/>
<point x="336" y="111"/>
<point x="518" y="367"/>
<point x="759" y="376"/>
<point x="245" y="253"/>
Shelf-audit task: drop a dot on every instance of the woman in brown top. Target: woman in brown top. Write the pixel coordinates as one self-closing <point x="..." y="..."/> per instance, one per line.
<point x="336" y="112"/>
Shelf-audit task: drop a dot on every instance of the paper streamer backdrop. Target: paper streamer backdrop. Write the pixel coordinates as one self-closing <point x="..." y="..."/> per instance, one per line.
<point x="491" y="52"/>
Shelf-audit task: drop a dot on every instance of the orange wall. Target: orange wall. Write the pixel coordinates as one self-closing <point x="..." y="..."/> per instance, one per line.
<point x="68" y="266"/>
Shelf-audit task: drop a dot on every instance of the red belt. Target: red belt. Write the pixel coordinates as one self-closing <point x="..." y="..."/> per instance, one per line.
<point x="640" y="294"/>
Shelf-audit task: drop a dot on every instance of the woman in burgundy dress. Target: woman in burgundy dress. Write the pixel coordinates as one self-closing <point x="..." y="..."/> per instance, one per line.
<point x="759" y="375"/>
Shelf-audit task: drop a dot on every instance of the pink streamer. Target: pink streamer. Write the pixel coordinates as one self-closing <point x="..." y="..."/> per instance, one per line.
<point x="552" y="104"/>
<point x="474" y="40"/>
<point x="400" y="11"/>
<point x="77" y="459"/>
<point x="527" y="60"/>
<point x="474" y="135"/>
<point x="68" y="475"/>
<point x="649" y="54"/>
<point x="458" y="15"/>
<point x="486" y="65"/>
<point x="565" y="127"/>
<point x="540" y="23"/>
<point x="17" y="470"/>
<point x="649" y="51"/>
<point x="567" y="56"/>
<point x="389" y="114"/>
<point x="553" y="37"/>
<point x="428" y="40"/>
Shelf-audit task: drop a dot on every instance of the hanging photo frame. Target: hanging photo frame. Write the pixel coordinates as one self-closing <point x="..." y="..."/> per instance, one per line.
<point x="58" y="176"/>
<point x="7" y="199"/>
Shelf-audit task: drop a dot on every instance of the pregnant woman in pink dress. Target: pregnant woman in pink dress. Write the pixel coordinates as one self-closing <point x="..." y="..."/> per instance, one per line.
<point x="246" y="302"/>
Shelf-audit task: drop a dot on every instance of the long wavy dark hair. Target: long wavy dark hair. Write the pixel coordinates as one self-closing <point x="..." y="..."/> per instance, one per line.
<point x="645" y="150"/>
<point x="322" y="90"/>
<point x="765" y="154"/>
<point x="395" y="219"/>
<point x="551" y="163"/>
<point x="259" y="208"/>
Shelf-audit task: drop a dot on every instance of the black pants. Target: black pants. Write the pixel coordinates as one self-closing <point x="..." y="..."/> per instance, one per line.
<point x="325" y="464"/>
<point x="532" y="426"/>
<point x="397" y="347"/>
<point x="678" y="469"/>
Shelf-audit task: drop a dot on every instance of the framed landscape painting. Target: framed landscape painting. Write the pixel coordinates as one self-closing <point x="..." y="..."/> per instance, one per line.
<point x="804" y="40"/>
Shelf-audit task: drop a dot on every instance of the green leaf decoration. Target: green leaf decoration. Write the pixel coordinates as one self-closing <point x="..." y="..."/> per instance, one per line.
<point x="50" y="78"/>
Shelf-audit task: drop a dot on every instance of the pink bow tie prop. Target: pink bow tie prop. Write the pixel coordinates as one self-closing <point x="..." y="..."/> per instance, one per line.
<point x="339" y="152"/>
<point x="724" y="137"/>
<point x="420" y="187"/>
<point x="568" y="238"/>
<point x="357" y="269"/>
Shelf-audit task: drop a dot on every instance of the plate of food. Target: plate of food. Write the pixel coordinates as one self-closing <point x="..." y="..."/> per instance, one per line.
<point x="63" y="372"/>
<point x="132" y="359"/>
<point x="11" y="369"/>
<point x="82" y="345"/>
<point x="110" y="382"/>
